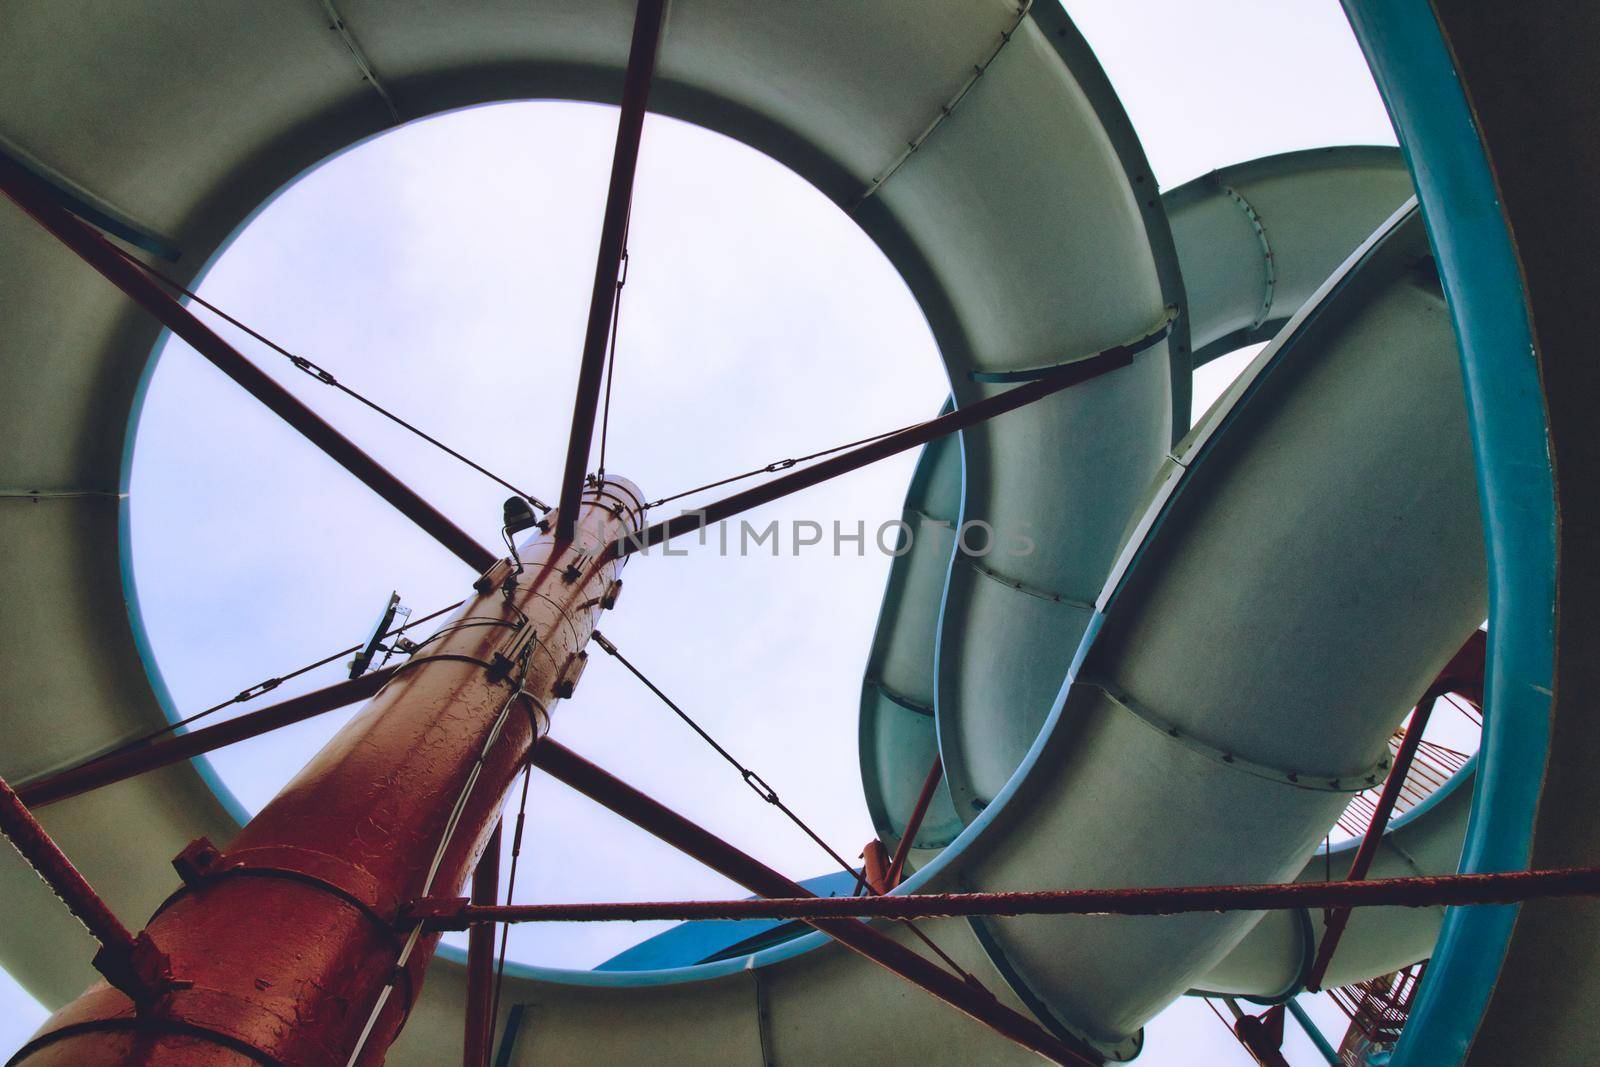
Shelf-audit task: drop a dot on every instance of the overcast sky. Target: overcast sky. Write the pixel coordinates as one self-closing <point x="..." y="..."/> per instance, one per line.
<point x="444" y="270"/>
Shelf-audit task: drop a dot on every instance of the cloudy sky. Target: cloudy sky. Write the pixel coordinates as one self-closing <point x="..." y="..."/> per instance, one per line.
<point x="443" y="270"/>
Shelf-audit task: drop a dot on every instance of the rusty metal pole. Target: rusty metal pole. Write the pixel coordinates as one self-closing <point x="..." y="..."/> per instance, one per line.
<point x="478" y="1039"/>
<point x="287" y="938"/>
<point x="1443" y="890"/>
<point x="914" y="823"/>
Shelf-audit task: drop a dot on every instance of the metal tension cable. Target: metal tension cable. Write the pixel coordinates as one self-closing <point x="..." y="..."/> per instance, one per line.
<point x="757" y="784"/>
<point x="782" y="465"/>
<point x="259" y="689"/>
<point x="511" y="889"/>
<point x="611" y="359"/>
<point x="322" y="375"/>
<point x="770" y="795"/>
<point x="1036" y="385"/>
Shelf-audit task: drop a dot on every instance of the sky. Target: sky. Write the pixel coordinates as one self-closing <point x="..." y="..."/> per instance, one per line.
<point x="443" y="270"/>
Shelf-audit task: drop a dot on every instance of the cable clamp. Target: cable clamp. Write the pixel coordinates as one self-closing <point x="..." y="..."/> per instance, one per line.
<point x="312" y="369"/>
<point x="763" y="790"/>
<point x="258" y="689"/>
<point x="500" y="667"/>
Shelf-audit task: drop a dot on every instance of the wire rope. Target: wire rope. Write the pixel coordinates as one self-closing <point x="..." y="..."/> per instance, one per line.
<point x="322" y="375"/>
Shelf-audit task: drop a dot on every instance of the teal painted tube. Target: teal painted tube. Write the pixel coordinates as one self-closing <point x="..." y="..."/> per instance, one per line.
<point x="1482" y="282"/>
<point x="1329" y="1053"/>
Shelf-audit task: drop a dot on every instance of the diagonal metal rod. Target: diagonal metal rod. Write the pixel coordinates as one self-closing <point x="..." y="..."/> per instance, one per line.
<point x="647" y="20"/>
<point x="133" y="965"/>
<point x="264" y="687"/>
<point x="568" y="767"/>
<point x="1074" y="373"/>
<point x="100" y="769"/>
<point x="1334" y="924"/>
<point x="131" y="762"/>
<point x="1450" y="890"/>
<point x="34" y="198"/>
<point x="914" y="823"/>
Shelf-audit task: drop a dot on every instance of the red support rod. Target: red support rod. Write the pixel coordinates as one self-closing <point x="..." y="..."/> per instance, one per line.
<point x="33" y="197"/>
<point x="478" y="1040"/>
<point x="174" y="748"/>
<point x="1075" y="373"/>
<point x="130" y="964"/>
<point x="913" y="824"/>
<point x="1449" y="890"/>
<point x="567" y="766"/>
<point x="1338" y="918"/>
<point x="647" y="22"/>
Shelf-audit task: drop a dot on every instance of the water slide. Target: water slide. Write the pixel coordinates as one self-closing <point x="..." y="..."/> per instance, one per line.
<point x="1254" y="239"/>
<point x="1201" y="659"/>
<point x="1241" y="780"/>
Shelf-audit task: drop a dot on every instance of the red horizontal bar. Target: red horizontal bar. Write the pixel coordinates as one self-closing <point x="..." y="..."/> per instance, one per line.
<point x="1451" y="890"/>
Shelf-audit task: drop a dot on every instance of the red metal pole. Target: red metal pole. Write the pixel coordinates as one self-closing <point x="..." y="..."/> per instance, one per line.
<point x="1449" y="890"/>
<point x="567" y="766"/>
<point x="175" y="748"/>
<point x="647" y="22"/>
<point x="914" y="823"/>
<point x="288" y="939"/>
<point x="33" y="197"/>
<point x="478" y="1042"/>
<point x="911" y="437"/>
<point x="131" y="964"/>
<point x="1338" y="918"/>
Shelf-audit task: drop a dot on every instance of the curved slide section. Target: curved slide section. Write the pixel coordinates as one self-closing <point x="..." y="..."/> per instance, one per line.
<point x="898" y="739"/>
<point x="1254" y="241"/>
<point x="1213" y="718"/>
<point x="1257" y="239"/>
